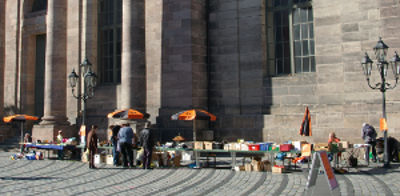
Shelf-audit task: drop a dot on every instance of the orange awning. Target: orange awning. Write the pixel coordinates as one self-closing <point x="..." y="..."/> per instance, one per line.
<point x="194" y="114"/>
<point x="20" y="117"/>
<point x="126" y="114"/>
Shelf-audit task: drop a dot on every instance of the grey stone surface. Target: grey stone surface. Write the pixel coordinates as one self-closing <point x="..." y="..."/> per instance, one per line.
<point x="49" y="177"/>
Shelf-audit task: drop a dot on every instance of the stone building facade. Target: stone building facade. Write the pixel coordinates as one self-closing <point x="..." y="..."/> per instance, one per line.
<point x="255" y="64"/>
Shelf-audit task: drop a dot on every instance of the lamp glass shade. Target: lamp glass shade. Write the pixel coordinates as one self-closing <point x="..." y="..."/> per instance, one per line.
<point x="86" y="65"/>
<point x="90" y="79"/>
<point x="383" y="65"/>
<point x="366" y="64"/>
<point x="73" y="78"/>
<point x="381" y="50"/>
<point x="395" y="62"/>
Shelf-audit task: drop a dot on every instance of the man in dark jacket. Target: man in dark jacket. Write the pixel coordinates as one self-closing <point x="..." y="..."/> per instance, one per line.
<point x="369" y="134"/>
<point x="146" y="141"/>
<point x="92" y="145"/>
<point x="114" y="140"/>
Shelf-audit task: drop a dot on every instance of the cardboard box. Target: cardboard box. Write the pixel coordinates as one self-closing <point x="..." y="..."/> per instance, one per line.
<point x="297" y="145"/>
<point x="276" y="169"/>
<point x="198" y="145"/>
<point x="227" y="146"/>
<point x="248" y="167"/>
<point x="321" y="147"/>
<point x="266" y="166"/>
<point x="244" y="147"/>
<point x="256" y="165"/>
<point x="207" y="145"/>
<point x="344" y="144"/>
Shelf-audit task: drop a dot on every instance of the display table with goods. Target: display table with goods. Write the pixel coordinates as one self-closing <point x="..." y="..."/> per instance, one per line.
<point x="233" y="153"/>
<point x="61" y="148"/>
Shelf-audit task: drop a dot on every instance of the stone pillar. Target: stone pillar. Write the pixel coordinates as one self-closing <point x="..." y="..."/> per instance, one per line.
<point x="153" y="28"/>
<point x="74" y="18"/>
<point x="55" y="68"/>
<point x="11" y="28"/>
<point x="55" y="75"/>
<point x="184" y="63"/>
<point x="133" y="69"/>
<point x="3" y="130"/>
<point x="2" y="52"/>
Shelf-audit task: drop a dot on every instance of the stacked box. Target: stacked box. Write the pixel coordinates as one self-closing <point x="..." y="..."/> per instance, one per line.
<point x="207" y="145"/>
<point x="297" y="145"/>
<point x="198" y="145"/>
<point x="244" y="147"/>
<point x="278" y="169"/>
<point x="321" y="147"/>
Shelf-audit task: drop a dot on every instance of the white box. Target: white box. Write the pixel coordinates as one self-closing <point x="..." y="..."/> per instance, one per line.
<point x="187" y="156"/>
<point x="97" y="159"/>
<point x="109" y="160"/>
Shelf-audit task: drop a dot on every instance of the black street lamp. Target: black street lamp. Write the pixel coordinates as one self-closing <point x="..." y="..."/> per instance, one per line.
<point x="89" y="83"/>
<point x="382" y="65"/>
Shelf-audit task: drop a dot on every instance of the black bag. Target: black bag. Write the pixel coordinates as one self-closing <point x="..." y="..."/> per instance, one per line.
<point x="353" y="161"/>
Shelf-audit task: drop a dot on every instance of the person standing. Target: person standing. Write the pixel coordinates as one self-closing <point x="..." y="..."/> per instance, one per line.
<point x="126" y="137"/>
<point x="60" y="137"/>
<point x="147" y="143"/>
<point x="92" y="145"/>
<point x="114" y="140"/>
<point x="369" y="134"/>
<point x="27" y="139"/>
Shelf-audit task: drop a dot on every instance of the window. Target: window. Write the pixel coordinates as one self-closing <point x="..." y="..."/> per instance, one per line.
<point x="39" y="5"/>
<point x="290" y="35"/>
<point x="110" y="37"/>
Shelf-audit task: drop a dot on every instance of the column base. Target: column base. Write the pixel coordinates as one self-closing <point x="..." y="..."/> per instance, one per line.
<point x="49" y="132"/>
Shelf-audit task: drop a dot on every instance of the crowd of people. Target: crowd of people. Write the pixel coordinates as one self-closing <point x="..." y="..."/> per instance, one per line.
<point x="123" y="140"/>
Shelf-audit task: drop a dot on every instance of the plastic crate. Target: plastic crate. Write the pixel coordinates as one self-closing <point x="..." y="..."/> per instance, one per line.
<point x="265" y="146"/>
<point x="285" y="147"/>
<point x="254" y="147"/>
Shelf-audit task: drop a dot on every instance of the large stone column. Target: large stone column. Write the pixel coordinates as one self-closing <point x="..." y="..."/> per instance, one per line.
<point x="3" y="130"/>
<point x="133" y="69"/>
<point x="55" y="74"/>
<point x="11" y="43"/>
<point x="154" y="14"/>
<point x="2" y="52"/>
<point x="55" y="67"/>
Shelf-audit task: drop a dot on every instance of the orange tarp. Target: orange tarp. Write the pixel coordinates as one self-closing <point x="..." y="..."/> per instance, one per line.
<point x="19" y="117"/>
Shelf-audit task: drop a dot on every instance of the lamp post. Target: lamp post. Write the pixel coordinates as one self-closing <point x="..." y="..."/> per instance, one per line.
<point x="382" y="65"/>
<point x="89" y="78"/>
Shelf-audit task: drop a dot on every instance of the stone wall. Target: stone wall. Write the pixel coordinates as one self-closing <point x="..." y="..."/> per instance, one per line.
<point x="236" y="61"/>
<point x="184" y="75"/>
<point x="337" y="93"/>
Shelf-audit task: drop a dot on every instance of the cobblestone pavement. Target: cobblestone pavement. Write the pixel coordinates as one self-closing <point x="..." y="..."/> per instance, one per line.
<point x="54" y="177"/>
